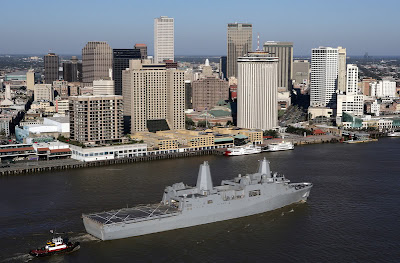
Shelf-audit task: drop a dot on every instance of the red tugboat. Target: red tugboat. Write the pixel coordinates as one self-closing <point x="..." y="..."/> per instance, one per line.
<point x="57" y="245"/>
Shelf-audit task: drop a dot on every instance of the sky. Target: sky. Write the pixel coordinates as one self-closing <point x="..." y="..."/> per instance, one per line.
<point x="64" y="27"/>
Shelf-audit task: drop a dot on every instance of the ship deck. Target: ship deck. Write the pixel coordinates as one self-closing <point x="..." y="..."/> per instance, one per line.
<point x="133" y="214"/>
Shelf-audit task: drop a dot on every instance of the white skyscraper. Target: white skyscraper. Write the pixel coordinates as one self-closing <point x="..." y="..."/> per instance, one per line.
<point x="352" y="79"/>
<point x="163" y="39"/>
<point x="257" y="91"/>
<point x="324" y="76"/>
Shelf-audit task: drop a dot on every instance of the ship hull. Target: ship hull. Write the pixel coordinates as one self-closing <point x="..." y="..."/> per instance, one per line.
<point x="229" y="210"/>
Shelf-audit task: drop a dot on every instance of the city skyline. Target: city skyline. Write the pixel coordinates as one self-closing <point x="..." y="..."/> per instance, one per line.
<point x="307" y="23"/>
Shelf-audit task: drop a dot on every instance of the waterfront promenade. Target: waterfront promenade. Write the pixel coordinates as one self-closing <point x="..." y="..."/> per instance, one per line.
<point x="64" y="164"/>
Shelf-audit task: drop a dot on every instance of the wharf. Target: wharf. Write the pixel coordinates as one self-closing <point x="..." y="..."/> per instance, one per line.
<point x="65" y="164"/>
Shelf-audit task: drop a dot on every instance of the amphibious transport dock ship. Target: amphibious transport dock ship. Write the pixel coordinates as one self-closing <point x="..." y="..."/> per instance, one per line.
<point x="185" y="206"/>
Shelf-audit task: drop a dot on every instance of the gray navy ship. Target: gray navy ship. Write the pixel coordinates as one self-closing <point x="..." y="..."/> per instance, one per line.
<point x="186" y="206"/>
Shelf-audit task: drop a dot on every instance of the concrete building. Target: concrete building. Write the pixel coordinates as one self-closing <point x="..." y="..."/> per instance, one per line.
<point x="383" y="88"/>
<point x="301" y="72"/>
<point x="51" y="66"/>
<point x="284" y="51"/>
<point x="90" y="154"/>
<point x="365" y="86"/>
<point x="324" y="76"/>
<point x="352" y="104"/>
<point x="239" y="42"/>
<point x="103" y="87"/>
<point x="96" y="119"/>
<point x="341" y="86"/>
<point x="208" y="92"/>
<point x="62" y="106"/>
<point x="72" y="70"/>
<point x="121" y="59"/>
<point x="5" y="126"/>
<point x="143" y="50"/>
<point x="151" y="94"/>
<point x="43" y="92"/>
<point x="207" y="71"/>
<point x="96" y="61"/>
<point x="30" y="79"/>
<point x="257" y="102"/>
<point x="61" y="89"/>
<point x="352" y="79"/>
<point x="163" y="39"/>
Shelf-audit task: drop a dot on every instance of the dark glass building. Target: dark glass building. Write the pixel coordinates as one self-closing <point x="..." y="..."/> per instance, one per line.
<point x="72" y="70"/>
<point x="51" y="64"/>
<point x="121" y="59"/>
<point x="222" y="68"/>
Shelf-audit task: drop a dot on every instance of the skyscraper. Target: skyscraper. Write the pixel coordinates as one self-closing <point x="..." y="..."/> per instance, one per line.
<point x="143" y="50"/>
<point x="352" y="79"/>
<point x="121" y="59"/>
<point x="239" y="41"/>
<point x="152" y="93"/>
<point x="72" y="70"/>
<point x="96" y="119"/>
<point x="341" y="70"/>
<point x="96" y="61"/>
<point x="163" y="39"/>
<point x="222" y="67"/>
<point x="51" y="64"/>
<point x="324" y="77"/>
<point x="284" y="51"/>
<point x="257" y="91"/>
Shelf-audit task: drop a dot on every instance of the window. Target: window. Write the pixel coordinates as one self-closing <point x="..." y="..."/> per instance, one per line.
<point x="254" y="193"/>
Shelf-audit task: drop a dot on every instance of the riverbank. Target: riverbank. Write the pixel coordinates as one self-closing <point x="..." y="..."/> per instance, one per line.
<point x="65" y="164"/>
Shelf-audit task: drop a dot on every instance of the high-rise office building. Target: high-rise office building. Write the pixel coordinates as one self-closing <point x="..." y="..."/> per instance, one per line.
<point x="284" y="51"/>
<point x="61" y="89"/>
<point x="257" y="91"/>
<point x="103" y="87"/>
<point x="341" y="81"/>
<point x="30" y="79"/>
<point x="222" y="67"/>
<point x="121" y="59"/>
<point x="352" y="79"/>
<point x="208" y="92"/>
<point x="153" y="94"/>
<point x="72" y="70"/>
<point x="324" y="76"/>
<point x="96" y="61"/>
<point x="96" y="119"/>
<point x="239" y="41"/>
<point x="188" y="95"/>
<point x="143" y="50"/>
<point x="51" y="64"/>
<point x="163" y="39"/>
<point x="301" y="72"/>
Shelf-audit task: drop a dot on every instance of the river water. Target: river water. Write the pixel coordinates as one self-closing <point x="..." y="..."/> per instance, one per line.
<point x="352" y="214"/>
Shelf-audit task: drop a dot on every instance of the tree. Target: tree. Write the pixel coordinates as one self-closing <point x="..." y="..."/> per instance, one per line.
<point x="272" y="133"/>
<point x="189" y="123"/>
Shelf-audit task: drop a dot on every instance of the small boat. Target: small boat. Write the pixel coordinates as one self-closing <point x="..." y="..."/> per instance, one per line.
<point x="280" y="146"/>
<point x="57" y="245"/>
<point x="243" y="150"/>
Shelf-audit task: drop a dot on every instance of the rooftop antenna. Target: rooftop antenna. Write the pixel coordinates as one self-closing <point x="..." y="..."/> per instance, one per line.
<point x="258" y="41"/>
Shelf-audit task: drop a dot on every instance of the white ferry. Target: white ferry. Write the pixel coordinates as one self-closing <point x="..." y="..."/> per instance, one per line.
<point x="280" y="146"/>
<point x="393" y="134"/>
<point x="243" y="150"/>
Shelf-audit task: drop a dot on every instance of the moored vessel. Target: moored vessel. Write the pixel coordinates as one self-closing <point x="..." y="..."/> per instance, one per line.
<point x="243" y="150"/>
<point x="279" y="146"/>
<point x="185" y="206"/>
<point x="394" y="134"/>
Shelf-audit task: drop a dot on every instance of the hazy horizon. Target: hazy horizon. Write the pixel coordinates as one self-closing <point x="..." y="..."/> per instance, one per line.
<point x="35" y="27"/>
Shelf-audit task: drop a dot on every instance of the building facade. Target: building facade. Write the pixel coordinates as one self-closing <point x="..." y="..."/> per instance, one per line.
<point x="72" y="70"/>
<point x="96" y="61"/>
<point x="103" y="87"/>
<point x="151" y="93"/>
<point x="222" y="67"/>
<point x="121" y="59"/>
<point x="43" y="92"/>
<point x="301" y="72"/>
<point x="284" y="51"/>
<point x="239" y="42"/>
<point x="383" y="88"/>
<point x="143" y="50"/>
<point x="352" y="79"/>
<point x="257" y="91"/>
<point x="96" y="119"/>
<point x="163" y="39"/>
<point x="341" y="86"/>
<point x="51" y="64"/>
<point x="208" y="92"/>
<point x="324" y="76"/>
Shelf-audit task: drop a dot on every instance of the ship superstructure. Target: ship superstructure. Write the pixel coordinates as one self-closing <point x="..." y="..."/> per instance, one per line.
<point x="185" y="206"/>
